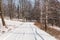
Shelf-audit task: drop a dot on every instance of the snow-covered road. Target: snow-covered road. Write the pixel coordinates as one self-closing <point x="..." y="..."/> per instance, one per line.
<point x="26" y="31"/>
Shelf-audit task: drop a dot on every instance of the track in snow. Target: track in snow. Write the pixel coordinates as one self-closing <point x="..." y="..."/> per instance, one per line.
<point x="26" y="31"/>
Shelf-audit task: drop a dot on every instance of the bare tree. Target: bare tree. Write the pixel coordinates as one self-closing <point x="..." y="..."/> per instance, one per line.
<point x="46" y="14"/>
<point x="1" y="14"/>
<point x="10" y="8"/>
<point x="36" y="11"/>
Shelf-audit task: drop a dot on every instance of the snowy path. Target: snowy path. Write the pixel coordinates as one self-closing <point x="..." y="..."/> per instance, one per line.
<point x="26" y="31"/>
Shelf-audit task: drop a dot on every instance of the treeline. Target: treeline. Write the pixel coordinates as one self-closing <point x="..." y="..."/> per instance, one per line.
<point x="44" y="11"/>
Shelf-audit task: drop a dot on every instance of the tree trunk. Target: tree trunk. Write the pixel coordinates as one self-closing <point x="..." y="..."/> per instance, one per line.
<point x="3" y="19"/>
<point x="1" y="14"/>
<point x="46" y="16"/>
<point x="10" y="8"/>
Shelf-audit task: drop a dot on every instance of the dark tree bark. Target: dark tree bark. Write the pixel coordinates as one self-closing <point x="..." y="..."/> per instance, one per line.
<point x="1" y="14"/>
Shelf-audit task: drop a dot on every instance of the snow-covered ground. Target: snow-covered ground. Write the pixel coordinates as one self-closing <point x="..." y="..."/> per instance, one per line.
<point x="23" y="31"/>
<point x="55" y="27"/>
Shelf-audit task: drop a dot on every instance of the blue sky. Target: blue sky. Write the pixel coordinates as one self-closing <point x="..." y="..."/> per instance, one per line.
<point x="16" y="1"/>
<point x="30" y="0"/>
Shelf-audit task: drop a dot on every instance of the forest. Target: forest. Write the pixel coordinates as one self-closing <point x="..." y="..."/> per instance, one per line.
<point x="44" y="12"/>
<point x="40" y="10"/>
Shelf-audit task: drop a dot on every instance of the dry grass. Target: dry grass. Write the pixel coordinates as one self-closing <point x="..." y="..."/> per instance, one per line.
<point x="51" y="31"/>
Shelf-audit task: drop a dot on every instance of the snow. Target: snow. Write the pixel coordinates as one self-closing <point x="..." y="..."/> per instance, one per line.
<point x="23" y="31"/>
<point x="55" y="27"/>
